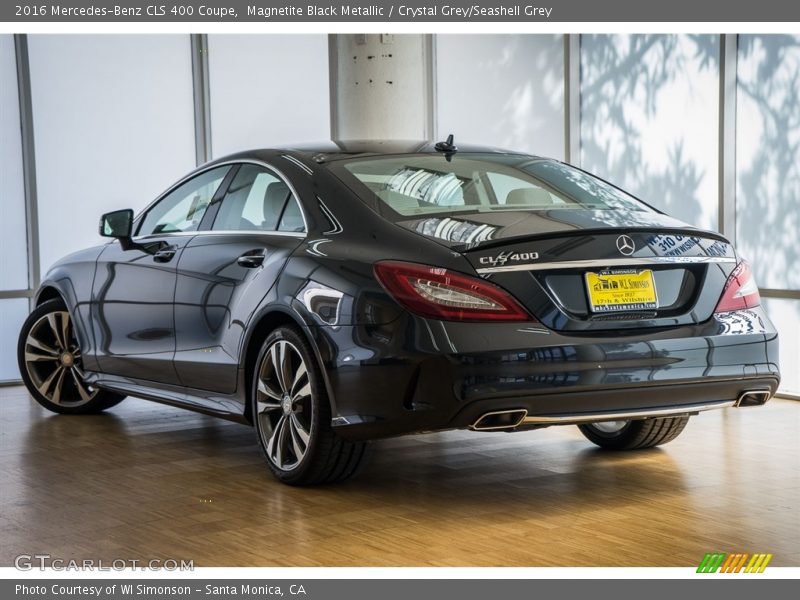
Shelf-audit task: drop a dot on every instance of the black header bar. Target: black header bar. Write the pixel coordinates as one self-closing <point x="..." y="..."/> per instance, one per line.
<point x="454" y="11"/>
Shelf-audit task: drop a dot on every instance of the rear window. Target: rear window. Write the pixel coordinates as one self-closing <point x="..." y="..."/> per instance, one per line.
<point x="410" y="185"/>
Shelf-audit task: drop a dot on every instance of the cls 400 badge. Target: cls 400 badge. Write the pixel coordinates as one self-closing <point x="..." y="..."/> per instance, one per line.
<point x="507" y="257"/>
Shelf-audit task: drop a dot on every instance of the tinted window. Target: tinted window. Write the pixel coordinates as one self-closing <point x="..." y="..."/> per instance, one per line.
<point x="183" y="208"/>
<point x="432" y="184"/>
<point x="258" y="200"/>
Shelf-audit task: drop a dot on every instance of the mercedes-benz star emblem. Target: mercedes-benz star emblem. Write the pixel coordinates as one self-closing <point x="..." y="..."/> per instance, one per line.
<point x="625" y="245"/>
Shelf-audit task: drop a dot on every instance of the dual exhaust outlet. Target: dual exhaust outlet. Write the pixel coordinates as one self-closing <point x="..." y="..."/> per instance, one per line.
<point x="511" y="419"/>
<point x="500" y="420"/>
<point x="753" y="398"/>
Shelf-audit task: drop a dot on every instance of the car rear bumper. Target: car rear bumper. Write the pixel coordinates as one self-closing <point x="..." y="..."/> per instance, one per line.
<point x="621" y="403"/>
<point x="417" y="375"/>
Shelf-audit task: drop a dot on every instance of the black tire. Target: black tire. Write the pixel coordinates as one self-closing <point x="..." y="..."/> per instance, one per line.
<point x="57" y="366"/>
<point x="635" y="435"/>
<point x="325" y="457"/>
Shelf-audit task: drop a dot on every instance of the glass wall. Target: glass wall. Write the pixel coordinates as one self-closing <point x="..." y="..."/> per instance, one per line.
<point x="101" y="108"/>
<point x="768" y="178"/>
<point x="267" y="90"/>
<point x="768" y="157"/>
<point x="13" y="237"/>
<point x="502" y="90"/>
<point x="649" y="119"/>
<point x="13" y="271"/>
<point x="785" y="314"/>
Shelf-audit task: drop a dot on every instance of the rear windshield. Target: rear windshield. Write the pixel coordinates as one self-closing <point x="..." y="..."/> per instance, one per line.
<point x="410" y="185"/>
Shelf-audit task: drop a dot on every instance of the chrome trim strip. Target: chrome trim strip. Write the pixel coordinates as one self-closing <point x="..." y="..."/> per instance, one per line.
<point x="296" y="234"/>
<point x="208" y="167"/>
<point x="634" y="414"/>
<point x="609" y="262"/>
<point x="337" y="227"/>
<point x="292" y="159"/>
<point x="541" y="330"/>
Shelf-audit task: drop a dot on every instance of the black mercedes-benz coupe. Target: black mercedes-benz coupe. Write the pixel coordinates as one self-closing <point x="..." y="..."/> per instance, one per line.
<point x="333" y="295"/>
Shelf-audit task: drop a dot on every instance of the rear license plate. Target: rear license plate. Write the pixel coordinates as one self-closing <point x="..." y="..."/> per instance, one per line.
<point x="611" y="291"/>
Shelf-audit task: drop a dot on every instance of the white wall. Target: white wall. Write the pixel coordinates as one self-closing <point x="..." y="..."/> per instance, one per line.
<point x="502" y="90"/>
<point x="113" y="127"/>
<point x="267" y="90"/>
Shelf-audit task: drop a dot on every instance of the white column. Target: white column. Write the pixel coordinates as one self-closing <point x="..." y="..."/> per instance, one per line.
<point x="382" y="86"/>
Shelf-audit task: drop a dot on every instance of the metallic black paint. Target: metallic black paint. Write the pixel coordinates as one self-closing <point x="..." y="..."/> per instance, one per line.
<point x="184" y="331"/>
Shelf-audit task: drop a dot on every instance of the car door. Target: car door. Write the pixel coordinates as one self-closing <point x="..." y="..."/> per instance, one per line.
<point x="223" y="274"/>
<point x="134" y="289"/>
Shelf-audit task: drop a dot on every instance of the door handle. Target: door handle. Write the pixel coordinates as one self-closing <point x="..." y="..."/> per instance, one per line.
<point x="251" y="259"/>
<point x="165" y="254"/>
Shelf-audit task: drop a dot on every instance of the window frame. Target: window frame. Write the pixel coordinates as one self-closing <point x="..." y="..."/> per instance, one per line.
<point x="213" y="207"/>
<point x="270" y="170"/>
<point x="140" y="219"/>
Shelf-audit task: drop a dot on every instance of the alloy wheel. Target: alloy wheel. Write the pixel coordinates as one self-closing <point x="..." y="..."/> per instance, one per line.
<point x="54" y="362"/>
<point x="284" y="405"/>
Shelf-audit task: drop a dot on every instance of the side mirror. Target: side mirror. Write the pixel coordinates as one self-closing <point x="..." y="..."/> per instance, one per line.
<point x="117" y="224"/>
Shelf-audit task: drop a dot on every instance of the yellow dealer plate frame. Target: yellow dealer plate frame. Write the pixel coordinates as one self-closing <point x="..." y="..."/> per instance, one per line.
<point x="621" y="290"/>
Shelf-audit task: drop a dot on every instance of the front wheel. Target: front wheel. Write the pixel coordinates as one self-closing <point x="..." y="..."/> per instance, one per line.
<point x="634" y="435"/>
<point x="51" y="364"/>
<point x="292" y="415"/>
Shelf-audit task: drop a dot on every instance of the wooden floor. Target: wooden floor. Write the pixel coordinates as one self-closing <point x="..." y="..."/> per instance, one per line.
<point x="146" y="481"/>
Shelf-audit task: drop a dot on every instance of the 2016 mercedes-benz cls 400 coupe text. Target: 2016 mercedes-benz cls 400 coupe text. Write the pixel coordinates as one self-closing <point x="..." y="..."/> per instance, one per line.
<point x="336" y="294"/>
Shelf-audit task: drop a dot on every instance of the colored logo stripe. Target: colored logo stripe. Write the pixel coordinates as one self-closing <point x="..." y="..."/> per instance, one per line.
<point x="711" y="562"/>
<point x="733" y="563"/>
<point x="758" y="563"/>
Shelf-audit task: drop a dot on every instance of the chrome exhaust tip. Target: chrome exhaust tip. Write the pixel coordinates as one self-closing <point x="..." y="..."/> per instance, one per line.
<point x="753" y="398"/>
<point x="500" y="420"/>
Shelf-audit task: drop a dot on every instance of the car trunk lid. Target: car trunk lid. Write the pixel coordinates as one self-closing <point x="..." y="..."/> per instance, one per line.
<point x="580" y="270"/>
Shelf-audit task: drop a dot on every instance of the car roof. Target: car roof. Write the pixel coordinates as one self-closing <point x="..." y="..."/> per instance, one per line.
<point x="330" y="151"/>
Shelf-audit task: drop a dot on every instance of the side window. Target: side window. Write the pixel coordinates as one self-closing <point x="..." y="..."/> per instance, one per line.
<point x="292" y="219"/>
<point x="183" y="208"/>
<point x="258" y="200"/>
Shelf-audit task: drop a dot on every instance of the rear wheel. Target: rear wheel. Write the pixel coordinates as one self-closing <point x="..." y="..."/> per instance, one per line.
<point x="634" y="435"/>
<point x="292" y="415"/>
<point x="51" y="364"/>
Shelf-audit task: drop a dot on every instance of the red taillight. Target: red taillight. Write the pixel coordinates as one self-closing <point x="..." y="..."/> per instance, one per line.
<point x="441" y="294"/>
<point x="740" y="290"/>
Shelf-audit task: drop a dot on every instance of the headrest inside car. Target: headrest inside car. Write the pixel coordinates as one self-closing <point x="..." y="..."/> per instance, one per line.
<point x="530" y="196"/>
<point x="274" y="198"/>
